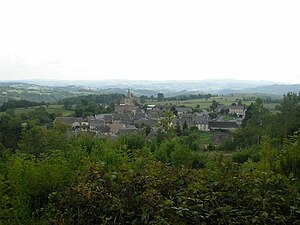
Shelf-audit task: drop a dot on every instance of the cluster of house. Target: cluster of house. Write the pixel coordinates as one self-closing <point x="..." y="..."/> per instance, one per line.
<point x="204" y="123"/>
<point x="129" y="118"/>
<point x="237" y="110"/>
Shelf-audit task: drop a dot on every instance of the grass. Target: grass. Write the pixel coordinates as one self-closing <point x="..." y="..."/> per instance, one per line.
<point x="228" y="117"/>
<point x="202" y="139"/>
<point x="271" y="106"/>
<point x="57" y="109"/>
<point x="205" y="137"/>
<point x="203" y="103"/>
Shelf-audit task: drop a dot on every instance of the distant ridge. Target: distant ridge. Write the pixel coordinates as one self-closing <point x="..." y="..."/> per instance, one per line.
<point x="206" y="85"/>
<point x="275" y="89"/>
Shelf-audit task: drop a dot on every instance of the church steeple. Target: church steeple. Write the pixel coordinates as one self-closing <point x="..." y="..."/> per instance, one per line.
<point x="129" y="94"/>
<point x="129" y="99"/>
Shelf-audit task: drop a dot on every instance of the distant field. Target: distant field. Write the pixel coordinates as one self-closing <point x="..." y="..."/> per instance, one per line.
<point x="271" y="106"/>
<point x="203" y="103"/>
<point x="57" y="109"/>
<point x="206" y="103"/>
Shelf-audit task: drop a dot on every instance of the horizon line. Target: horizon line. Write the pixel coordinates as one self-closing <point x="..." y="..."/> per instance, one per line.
<point x="167" y="80"/>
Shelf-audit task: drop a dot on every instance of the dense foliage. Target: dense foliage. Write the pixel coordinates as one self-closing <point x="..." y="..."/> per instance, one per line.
<point x="91" y="104"/>
<point x="259" y="121"/>
<point x="49" y="177"/>
<point x="188" y="97"/>
<point x="13" y="104"/>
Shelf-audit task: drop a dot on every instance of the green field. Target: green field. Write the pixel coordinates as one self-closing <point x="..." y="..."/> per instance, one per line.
<point x="204" y="138"/>
<point x="57" y="109"/>
<point x="206" y="103"/>
<point x="271" y="106"/>
<point x="203" y="103"/>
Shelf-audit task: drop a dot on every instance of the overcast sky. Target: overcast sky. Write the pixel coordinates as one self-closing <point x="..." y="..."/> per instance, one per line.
<point x="150" y="40"/>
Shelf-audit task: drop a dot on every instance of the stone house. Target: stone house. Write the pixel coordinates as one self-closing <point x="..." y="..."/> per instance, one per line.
<point x="115" y="127"/>
<point x="187" y="118"/>
<point x="201" y="122"/>
<point x="183" y="110"/>
<point x="238" y="110"/>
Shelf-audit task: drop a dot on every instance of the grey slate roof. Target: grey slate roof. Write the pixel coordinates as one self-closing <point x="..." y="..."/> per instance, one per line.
<point x="183" y="109"/>
<point x="200" y="119"/>
<point x="126" y="130"/>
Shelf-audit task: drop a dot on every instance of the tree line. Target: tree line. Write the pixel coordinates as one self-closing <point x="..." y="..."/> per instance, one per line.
<point x="13" y="104"/>
<point x="92" y="104"/>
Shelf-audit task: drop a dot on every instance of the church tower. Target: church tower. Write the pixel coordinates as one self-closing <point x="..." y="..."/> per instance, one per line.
<point x="129" y="99"/>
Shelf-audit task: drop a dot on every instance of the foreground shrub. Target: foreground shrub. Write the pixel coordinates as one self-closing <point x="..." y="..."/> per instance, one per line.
<point x="160" y="194"/>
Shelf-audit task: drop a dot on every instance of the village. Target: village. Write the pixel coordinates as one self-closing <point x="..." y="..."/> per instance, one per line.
<point x="130" y="118"/>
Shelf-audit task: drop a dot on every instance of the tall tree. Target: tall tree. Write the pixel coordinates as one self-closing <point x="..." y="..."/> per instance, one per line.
<point x="257" y="119"/>
<point x="160" y="97"/>
<point x="290" y="114"/>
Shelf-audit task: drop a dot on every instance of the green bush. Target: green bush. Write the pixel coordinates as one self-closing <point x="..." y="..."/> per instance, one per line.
<point x="164" y="151"/>
<point x="158" y="193"/>
<point x="182" y="156"/>
<point x="246" y="154"/>
<point x="32" y="180"/>
<point x="290" y="156"/>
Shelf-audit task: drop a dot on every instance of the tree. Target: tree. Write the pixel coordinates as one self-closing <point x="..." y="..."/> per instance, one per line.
<point x="67" y="104"/>
<point x="185" y="126"/>
<point x="178" y="128"/>
<point x="11" y="112"/>
<point x="147" y="130"/>
<point x="255" y="124"/>
<point x="143" y="99"/>
<point x="38" y="140"/>
<point x="214" y="105"/>
<point x="10" y="131"/>
<point x="152" y="98"/>
<point x="160" y="97"/>
<point x="41" y="116"/>
<point x="163" y="153"/>
<point x="181" y="156"/>
<point x="166" y="125"/>
<point x="289" y="117"/>
<point x="132" y="141"/>
<point x="79" y="111"/>
<point x="290" y="156"/>
<point x="240" y="103"/>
